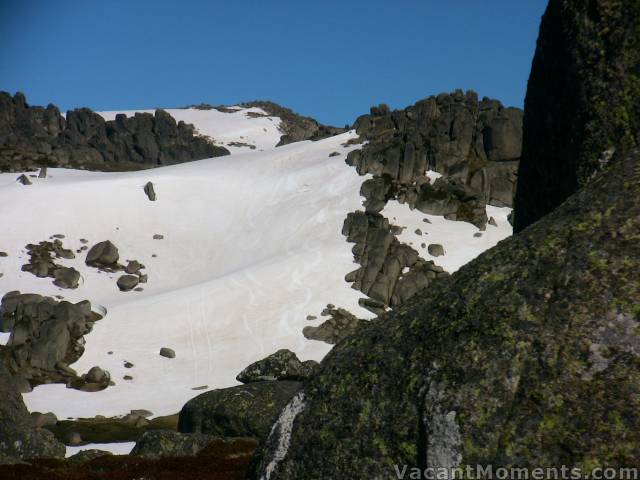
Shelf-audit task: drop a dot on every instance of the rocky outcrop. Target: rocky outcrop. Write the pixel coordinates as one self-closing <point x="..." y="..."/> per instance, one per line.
<point x="391" y="272"/>
<point x="281" y="365"/>
<point x="32" y="137"/>
<point x="294" y="127"/>
<point x="46" y="337"/>
<point x="42" y="264"/>
<point x="18" y="438"/>
<point x="477" y="143"/>
<point x="243" y="411"/>
<point x="592" y="103"/>
<point x="340" y="324"/>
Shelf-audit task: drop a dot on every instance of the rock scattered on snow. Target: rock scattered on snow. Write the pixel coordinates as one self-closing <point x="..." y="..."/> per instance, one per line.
<point x="24" y="180"/>
<point x="167" y="352"/>
<point x="127" y="282"/>
<point x="150" y="191"/>
<point x="435" y="250"/>
<point x="103" y="254"/>
<point x="157" y="236"/>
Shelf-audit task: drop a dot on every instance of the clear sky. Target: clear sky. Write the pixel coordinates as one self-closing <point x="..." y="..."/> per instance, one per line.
<point x="327" y="59"/>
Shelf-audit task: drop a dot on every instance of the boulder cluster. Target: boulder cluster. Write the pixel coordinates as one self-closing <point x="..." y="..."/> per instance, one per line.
<point x="339" y="325"/>
<point x="42" y="264"/>
<point x="105" y="256"/>
<point x="32" y="136"/>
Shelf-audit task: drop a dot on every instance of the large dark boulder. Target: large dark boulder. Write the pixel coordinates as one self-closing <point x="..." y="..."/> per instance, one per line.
<point x="18" y="438"/>
<point x="582" y="100"/>
<point x="527" y="356"/>
<point x="243" y="411"/>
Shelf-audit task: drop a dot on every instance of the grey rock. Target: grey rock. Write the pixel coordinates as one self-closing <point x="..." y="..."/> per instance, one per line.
<point x="127" y="282"/>
<point x="41" y="420"/>
<point x="435" y="250"/>
<point x="84" y="456"/>
<point x="157" y="236"/>
<point x="66" y="277"/>
<point x="281" y="365"/>
<point x="133" y="267"/>
<point x="102" y="254"/>
<point x="167" y="352"/>
<point x="97" y="375"/>
<point x="24" y="180"/>
<point x="150" y="191"/>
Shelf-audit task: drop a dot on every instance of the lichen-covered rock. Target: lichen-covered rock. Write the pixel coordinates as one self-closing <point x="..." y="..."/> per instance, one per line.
<point x="242" y="411"/>
<point x="281" y="365"/>
<point x="527" y="356"/>
<point x="18" y="438"/>
<point x="166" y="443"/>
<point x="582" y="100"/>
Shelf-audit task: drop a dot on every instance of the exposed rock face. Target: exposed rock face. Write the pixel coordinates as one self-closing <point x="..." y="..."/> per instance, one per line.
<point x="18" y="438"/>
<point x="281" y="365"/>
<point x="536" y="339"/>
<point x="46" y="336"/>
<point x="32" y="137"/>
<point x="390" y="272"/>
<point x="592" y="102"/>
<point x="475" y="142"/>
<point x="296" y="128"/>
<point x="243" y="411"/>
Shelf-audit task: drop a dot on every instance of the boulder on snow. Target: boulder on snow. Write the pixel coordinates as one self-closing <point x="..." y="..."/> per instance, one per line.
<point x="167" y="352"/>
<point x="435" y="250"/>
<point x="150" y="191"/>
<point x="281" y="365"/>
<point x="103" y="254"/>
<point x="127" y="282"/>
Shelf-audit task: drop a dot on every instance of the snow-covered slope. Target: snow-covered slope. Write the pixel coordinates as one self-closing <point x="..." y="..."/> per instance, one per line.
<point x="252" y="245"/>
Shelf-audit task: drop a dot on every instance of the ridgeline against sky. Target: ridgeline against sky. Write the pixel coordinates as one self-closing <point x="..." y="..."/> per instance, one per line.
<point x="330" y="60"/>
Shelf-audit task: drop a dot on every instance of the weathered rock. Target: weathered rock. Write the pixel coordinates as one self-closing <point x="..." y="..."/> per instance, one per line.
<point x="341" y="324"/>
<point x="281" y="365"/>
<point x="133" y="267"/>
<point x="40" y="420"/>
<point x="165" y="443"/>
<point x="24" y="180"/>
<point x="46" y="336"/>
<point x="167" y="352"/>
<point x="66" y="277"/>
<point x="32" y="137"/>
<point x="242" y="411"/>
<point x="87" y="455"/>
<point x="96" y="375"/>
<point x="594" y="95"/>
<point x="18" y="438"/>
<point x="150" y="191"/>
<point x="103" y="254"/>
<point x="435" y="250"/>
<point x="127" y="282"/>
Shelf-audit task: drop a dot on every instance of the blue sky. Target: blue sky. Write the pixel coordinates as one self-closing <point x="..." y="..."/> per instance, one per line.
<point x="327" y="59"/>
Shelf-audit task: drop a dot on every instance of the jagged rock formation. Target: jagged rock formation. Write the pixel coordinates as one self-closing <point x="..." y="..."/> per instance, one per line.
<point x="340" y="324"/>
<point x="46" y="337"/>
<point x="32" y="137"/>
<point x="527" y="356"/>
<point x="475" y="142"/>
<point x="281" y="365"/>
<point x="18" y="438"/>
<point x="391" y="272"/>
<point x="296" y="128"/>
<point x="592" y="104"/>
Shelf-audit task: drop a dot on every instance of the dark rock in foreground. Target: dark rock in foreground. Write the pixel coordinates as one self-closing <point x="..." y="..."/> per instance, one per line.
<point x="165" y="443"/>
<point x="18" y="438"/>
<point x="591" y="103"/>
<point x="242" y="411"/>
<point x="281" y="365"/>
<point x="523" y="357"/>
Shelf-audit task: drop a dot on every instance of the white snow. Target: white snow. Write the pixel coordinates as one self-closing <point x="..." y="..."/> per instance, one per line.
<point x="457" y="238"/>
<point x="252" y="245"/>
<point x="246" y="125"/>
<point x="122" y="448"/>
